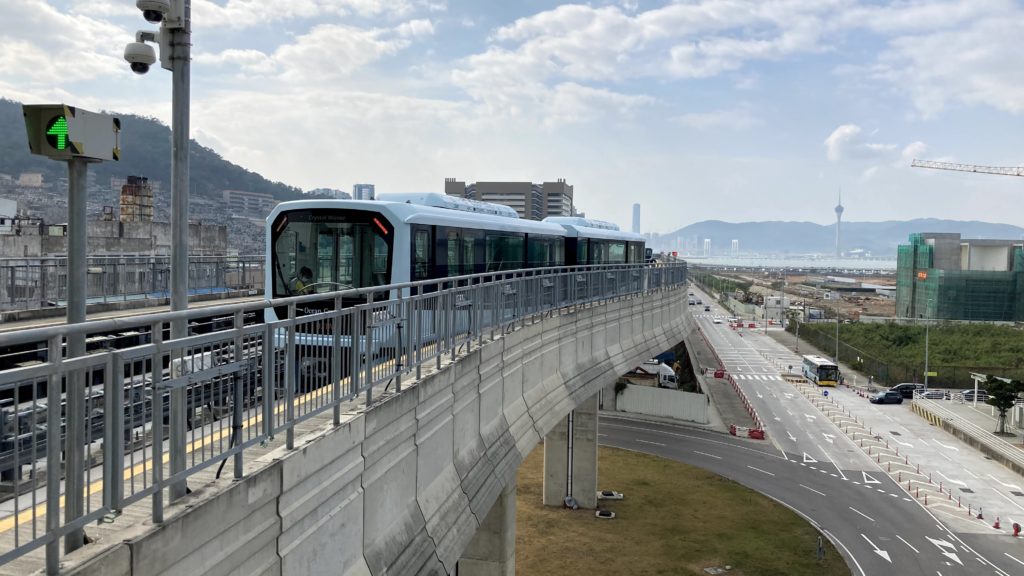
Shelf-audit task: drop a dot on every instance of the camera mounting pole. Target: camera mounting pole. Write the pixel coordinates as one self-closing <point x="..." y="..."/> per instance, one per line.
<point x="181" y="49"/>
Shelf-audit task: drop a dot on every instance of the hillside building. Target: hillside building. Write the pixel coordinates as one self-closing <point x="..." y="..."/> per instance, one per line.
<point x="941" y="276"/>
<point x="244" y="204"/>
<point x="364" y="192"/>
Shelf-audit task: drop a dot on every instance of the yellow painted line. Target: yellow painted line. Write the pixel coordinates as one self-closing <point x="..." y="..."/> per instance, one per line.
<point x="25" y="516"/>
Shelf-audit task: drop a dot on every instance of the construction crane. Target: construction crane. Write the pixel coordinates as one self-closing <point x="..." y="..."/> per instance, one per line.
<point x="1000" y="170"/>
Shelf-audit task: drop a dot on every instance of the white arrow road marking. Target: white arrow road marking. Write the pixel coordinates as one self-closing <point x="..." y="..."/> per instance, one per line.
<point x="809" y="417"/>
<point x="653" y="443"/>
<point x="948" y="549"/>
<point x="762" y="471"/>
<point x="708" y="455"/>
<point x="907" y="444"/>
<point x="869" y="480"/>
<point x="948" y="479"/>
<point x="777" y="419"/>
<point x="1014" y="486"/>
<point x="759" y="395"/>
<point x="908" y="544"/>
<point x="954" y="448"/>
<point x="830" y="437"/>
<point x="878" y="550"/>
<point x="788" y="395"/>
<point x="790" y="434"/>
<point x="807" y="458"/>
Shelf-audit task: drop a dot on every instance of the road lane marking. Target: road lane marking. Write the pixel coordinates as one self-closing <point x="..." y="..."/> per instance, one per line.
<point x="848" y="553"/>
<point x="948" y="479"/>
<point x="869" y="480"/>
<point x="833" y="462"/>
<point x="1018" y="561"/>
<point x="861" y="513"/>
<point x="908" y="544"/>
<point x="954" y="448"/>
<point x="708" y="455"/>
<point x="762" y="471"/>
<point x="1013" y="486"/>
<point x="948" y="549"/>
<point x="652" y="443"/>
<point x="878" y="550"/>
<point x="813" y="490"/>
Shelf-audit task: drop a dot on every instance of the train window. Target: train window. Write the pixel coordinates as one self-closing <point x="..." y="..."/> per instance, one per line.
<point x="453" y="253"/>
<point x="421" y="255"/>
<point x="616" y="252"/>
<point x="582" y="252"/>
<point x="598" y="252"/>
<point x="503" y="252"/>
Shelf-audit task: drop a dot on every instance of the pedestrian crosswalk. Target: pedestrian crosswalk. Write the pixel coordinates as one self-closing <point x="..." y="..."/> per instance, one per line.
<point x="762" y="377"/>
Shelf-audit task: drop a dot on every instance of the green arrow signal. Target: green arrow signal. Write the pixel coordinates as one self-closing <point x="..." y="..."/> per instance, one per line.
<point x="57" y="132"/>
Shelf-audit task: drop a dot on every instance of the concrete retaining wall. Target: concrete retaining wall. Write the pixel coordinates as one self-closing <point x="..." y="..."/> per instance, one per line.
<point x="661" y="402"/>
<point x="402" y="488"/>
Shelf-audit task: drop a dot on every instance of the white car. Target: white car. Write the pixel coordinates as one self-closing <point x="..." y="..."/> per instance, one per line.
<point x="717" y="320"/>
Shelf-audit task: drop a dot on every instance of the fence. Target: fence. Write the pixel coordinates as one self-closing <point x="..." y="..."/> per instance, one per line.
<point x="823" y="336"/>
<point x="662" y="402"/>
<point x="237" y="382"/>
<point x="30" y="283"/>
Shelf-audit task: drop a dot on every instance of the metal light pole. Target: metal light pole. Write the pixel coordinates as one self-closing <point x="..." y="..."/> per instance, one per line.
<point x="927" y="324"/>
<point x="837" y="334"/>
<point x="181" y="46"/>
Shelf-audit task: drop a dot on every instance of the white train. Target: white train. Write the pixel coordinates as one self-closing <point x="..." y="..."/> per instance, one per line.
<point x="318" y="246"/>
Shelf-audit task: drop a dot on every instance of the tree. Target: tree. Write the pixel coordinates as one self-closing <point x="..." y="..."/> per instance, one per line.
<point x="1003" y="394"/>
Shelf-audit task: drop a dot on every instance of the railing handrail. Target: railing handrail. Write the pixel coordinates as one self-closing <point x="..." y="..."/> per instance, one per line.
<point x="145" y="320"/>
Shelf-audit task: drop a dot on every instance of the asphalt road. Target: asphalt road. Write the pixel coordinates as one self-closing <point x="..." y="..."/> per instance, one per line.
<point x="877" y="528"/>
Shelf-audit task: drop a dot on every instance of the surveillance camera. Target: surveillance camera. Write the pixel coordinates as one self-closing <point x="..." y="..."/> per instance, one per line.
<point x="153" y="10"/>
<point x="140" y="56"/>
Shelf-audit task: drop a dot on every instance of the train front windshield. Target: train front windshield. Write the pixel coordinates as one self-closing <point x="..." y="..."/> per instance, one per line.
<point x="326" y="250"/>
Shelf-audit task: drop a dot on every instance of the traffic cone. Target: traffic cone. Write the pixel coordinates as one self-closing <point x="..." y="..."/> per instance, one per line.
<point x="996" y="525"/>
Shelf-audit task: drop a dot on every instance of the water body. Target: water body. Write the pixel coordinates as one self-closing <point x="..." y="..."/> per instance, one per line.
<point x="796" y="263"/>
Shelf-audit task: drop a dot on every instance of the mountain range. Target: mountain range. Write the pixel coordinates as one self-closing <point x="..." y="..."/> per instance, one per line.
<point x="877" y="238"/>
<point x="145" y="151"/>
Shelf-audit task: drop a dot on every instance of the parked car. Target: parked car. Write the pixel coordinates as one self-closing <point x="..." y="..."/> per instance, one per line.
<point x="887" y="397"/>
<point x="933" y="394"/>
<point x="707" y="308"/>
<point x="698" y="301"/>
<point x="969" y="395"/>
<point x="907" y="389"/>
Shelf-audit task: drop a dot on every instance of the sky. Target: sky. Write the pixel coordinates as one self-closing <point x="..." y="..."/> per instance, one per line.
<point x="734" y="110"/>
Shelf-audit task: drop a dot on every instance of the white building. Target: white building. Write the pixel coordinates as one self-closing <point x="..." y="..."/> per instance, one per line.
<point x="364" y="192"/>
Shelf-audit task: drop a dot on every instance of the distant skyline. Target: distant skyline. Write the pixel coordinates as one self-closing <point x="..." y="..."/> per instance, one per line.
<point x="735" y="110"/>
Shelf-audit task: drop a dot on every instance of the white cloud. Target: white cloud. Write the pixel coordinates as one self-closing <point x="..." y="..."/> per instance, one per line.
<point x="74" y="46"/>
<point x="738" y="119"/>
<point x="847" y="143"/>
<point x="241" y="14"/>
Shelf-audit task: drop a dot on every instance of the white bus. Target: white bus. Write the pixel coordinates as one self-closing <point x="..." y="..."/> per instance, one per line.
<point x="821" y="371"/>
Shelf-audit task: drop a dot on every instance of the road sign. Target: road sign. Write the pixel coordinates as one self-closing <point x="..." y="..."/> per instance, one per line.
<point x="63" y="132"/>
<point x="825" y="392"/>
<point x="931" y="373"/>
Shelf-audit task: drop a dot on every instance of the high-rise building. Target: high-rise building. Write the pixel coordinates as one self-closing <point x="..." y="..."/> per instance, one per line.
<point x="839" y="222"/>
<point x="943" y="276"/>
<point x="531" y="201"/>
<point x="363" y="192"/>
<point x="636" y="218"/>
<point x="707" y="246"/>
<point x="735" y="247"/>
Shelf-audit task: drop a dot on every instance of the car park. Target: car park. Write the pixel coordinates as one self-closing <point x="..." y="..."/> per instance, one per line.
<point x="907" y="389"/>
<point x="887" y="397"/>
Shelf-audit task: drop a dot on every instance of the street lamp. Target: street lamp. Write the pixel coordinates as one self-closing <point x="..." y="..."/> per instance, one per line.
<point x="175" y="40"/>
<point x="926" y="325"/>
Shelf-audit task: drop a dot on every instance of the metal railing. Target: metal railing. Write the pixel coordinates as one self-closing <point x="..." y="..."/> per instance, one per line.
<point x="245" y="381"/>
<point x="31" y="283"/>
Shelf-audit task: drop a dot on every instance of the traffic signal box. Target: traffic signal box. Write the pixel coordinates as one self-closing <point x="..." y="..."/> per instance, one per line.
<point x="62" y="132"/>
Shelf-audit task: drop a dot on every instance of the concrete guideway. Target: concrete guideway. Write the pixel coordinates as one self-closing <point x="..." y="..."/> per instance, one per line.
<point x="409" y="481"/>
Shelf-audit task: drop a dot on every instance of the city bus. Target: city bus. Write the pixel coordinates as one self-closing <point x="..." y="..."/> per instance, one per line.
<point x="821" y="371"/>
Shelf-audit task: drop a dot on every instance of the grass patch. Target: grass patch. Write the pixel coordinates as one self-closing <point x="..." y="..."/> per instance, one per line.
<point x="676" y="519"/>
